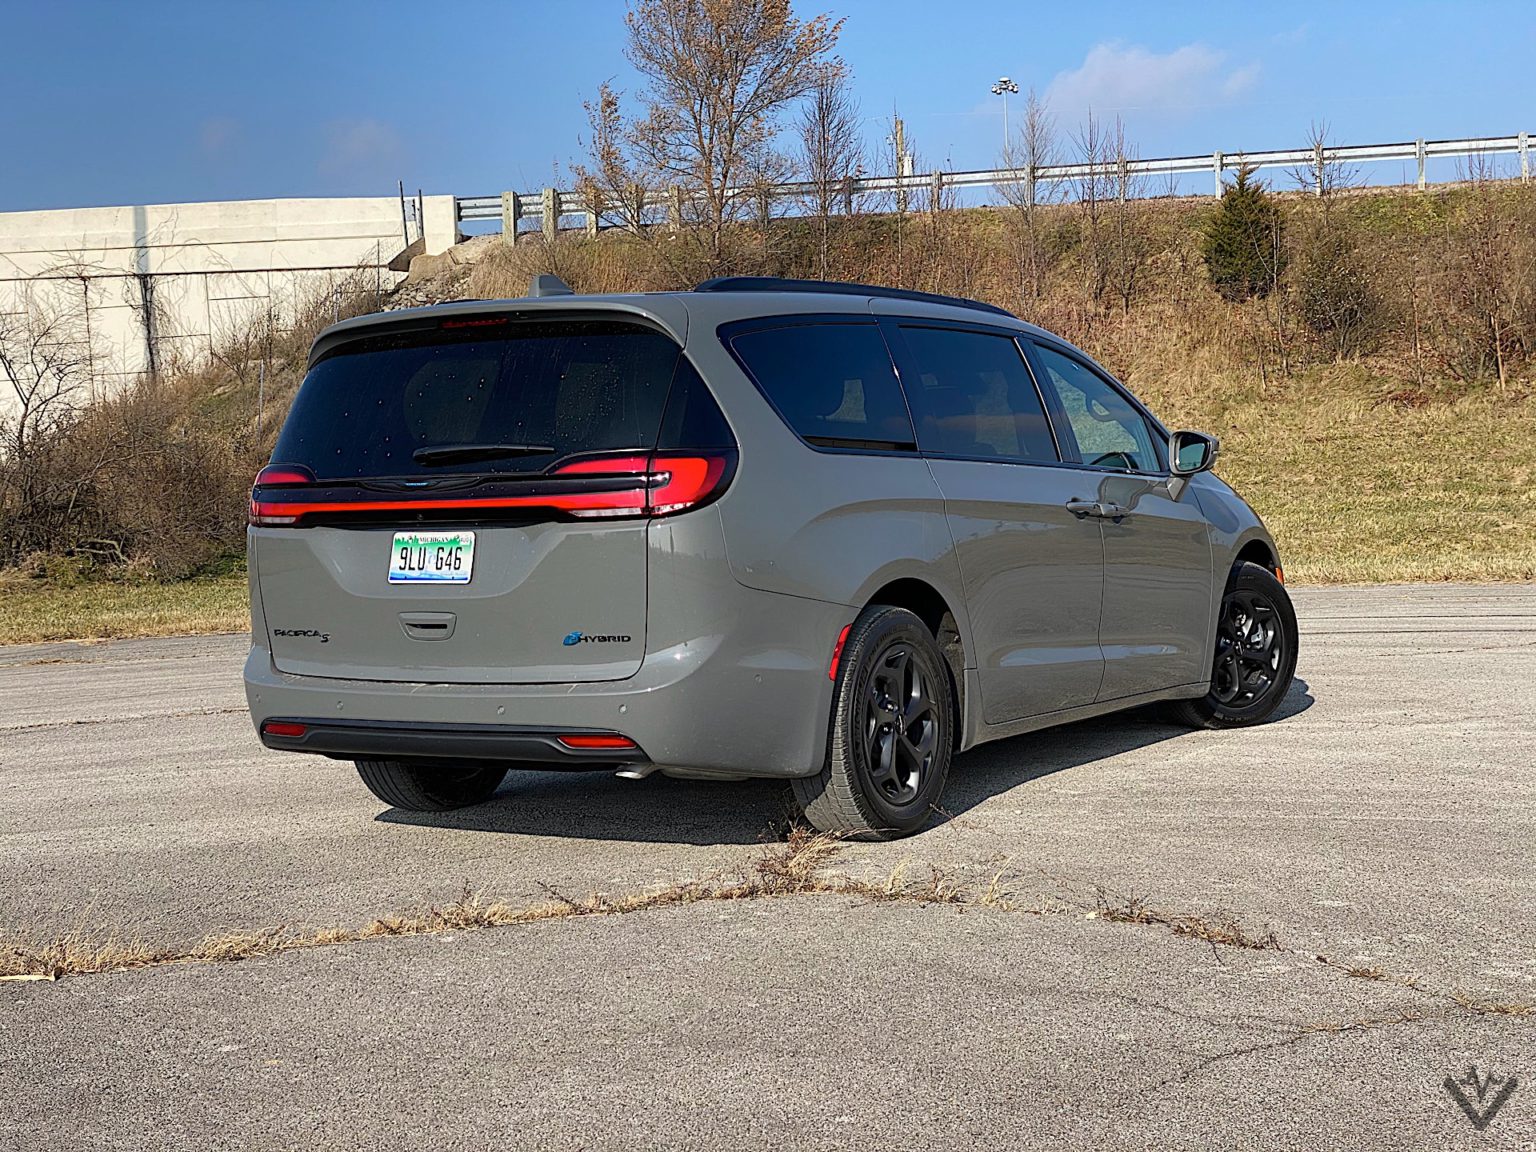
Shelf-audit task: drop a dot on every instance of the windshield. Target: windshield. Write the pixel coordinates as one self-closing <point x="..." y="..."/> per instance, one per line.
<point x="371" y="408"/>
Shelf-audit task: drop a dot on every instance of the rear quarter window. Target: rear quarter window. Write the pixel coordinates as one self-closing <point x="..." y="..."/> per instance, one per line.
<point x="833" y="383"/>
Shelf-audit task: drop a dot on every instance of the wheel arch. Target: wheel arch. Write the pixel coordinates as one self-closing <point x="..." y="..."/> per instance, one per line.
<point x="1257" y="550"/>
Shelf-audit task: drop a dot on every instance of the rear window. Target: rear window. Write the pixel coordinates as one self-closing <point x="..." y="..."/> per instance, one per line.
<point x="833" y="383"/>
<point x="571" y="386"/>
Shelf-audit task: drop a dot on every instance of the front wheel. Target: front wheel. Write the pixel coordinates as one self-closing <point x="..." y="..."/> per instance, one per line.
<point x="893" y="723"/>
<point x="1255" y="653"/>
<point x="429" y="787"/>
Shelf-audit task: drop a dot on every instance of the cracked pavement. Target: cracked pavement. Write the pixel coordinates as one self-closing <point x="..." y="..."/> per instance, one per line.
<point x="1387" y="821"/>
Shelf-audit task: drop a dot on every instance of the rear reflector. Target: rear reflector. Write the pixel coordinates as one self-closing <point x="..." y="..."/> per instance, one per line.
<point x="283" y="728"/>
<point x="837" y="652"/>
<point x="599" y="740"/>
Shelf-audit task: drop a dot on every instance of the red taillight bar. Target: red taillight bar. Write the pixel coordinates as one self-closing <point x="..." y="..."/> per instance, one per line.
<point x="283" y="728"/>
<point x="654" y="485"/>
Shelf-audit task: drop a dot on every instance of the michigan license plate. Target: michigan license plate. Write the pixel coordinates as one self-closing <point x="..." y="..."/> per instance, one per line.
<point x="432" y="558"/>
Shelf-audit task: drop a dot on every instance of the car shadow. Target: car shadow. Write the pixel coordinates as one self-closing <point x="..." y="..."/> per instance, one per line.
<point x="659" y="809"/>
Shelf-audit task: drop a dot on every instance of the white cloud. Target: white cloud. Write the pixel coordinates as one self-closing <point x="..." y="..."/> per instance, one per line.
<point x="1116" y="77"/>
<point x="359" y="148"/>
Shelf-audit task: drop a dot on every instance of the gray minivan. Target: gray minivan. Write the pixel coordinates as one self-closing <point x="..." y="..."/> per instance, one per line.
<point x="831" y="533"/>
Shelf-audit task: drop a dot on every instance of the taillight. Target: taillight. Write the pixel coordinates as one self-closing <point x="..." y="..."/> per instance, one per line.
<point x="284" y="474"/>
<point x="276" y="476"/>
<point x="665" y="483"/>
<point x="284" y="728"/>
<point x="621" y="485"/>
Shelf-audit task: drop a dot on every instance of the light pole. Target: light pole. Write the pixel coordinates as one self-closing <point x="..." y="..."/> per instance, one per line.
<point x="1002" y="88"/>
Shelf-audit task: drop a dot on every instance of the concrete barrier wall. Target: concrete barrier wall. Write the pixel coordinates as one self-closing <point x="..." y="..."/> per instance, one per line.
<point x="173" y="280"/>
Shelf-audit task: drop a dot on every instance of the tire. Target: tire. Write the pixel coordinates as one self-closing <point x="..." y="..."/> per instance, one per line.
<point x="1255" y="657"/>
<point x="429" y="787"/>
<point x="892" y="731"/>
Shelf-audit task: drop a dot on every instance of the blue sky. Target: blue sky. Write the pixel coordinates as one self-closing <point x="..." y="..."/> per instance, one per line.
<point x="143" y="102"/>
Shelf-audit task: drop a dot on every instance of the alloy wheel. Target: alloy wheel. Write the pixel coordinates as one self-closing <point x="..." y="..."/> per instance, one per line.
<point x="901" y="725"/>
<point x="1250" y="650"/>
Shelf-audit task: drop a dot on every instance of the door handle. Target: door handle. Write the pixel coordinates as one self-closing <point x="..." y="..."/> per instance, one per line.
<point x="1081" y="508"/>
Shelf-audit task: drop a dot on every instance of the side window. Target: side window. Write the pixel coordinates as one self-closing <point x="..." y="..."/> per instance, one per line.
<point x="1110" y="433"/>
<point x="832" y="383"/>
<point x="974" y="396"/>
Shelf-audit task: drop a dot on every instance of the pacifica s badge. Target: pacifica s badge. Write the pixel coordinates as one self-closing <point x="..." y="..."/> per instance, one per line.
<point x="308" y="633"/>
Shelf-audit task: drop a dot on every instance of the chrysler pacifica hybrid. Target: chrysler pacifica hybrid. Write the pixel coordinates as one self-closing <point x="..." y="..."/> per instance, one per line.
<point x="830" y="533"/>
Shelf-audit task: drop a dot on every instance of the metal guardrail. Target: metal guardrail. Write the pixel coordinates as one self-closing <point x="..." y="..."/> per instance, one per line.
<point x="549" y="204"/>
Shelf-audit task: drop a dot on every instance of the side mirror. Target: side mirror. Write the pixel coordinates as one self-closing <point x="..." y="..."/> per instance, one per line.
<point x="1192" y="452"/>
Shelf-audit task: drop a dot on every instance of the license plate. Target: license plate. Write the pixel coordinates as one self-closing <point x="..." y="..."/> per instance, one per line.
<point x="432" y="558"/>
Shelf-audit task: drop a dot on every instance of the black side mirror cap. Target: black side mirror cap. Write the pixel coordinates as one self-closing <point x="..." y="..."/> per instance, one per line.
<point x="1191" y="452"/>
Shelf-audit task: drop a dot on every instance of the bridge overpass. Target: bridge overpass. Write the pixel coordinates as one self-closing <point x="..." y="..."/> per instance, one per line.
<point x="143" y="285"/>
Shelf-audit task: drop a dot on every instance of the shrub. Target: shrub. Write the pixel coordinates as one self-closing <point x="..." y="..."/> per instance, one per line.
<point x="1243" y="245"/>
<point x="1335" y="295"/>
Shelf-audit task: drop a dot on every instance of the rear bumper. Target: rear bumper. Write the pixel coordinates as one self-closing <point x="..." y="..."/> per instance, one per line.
<point x="356" y="739"/>
<point x="745" y="694"/>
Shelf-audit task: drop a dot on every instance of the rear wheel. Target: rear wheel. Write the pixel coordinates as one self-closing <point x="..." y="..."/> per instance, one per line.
<point x="1255" y="653"/>
<point x="893" y="718"/>
<point x="429" y="787"/>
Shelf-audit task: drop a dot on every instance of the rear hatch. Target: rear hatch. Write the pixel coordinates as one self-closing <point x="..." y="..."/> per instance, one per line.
<point x="466" y="500"/>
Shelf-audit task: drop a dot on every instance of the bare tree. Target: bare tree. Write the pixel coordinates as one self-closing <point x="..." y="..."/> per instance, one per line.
<point x="45" y="366"/>
<point x="1486" y="278"/>
<point x="1032" y="148"/>
<point x="45" y="374"/>
<point x="1095" y="189"/>
<point x="1126" y="245"/>
<point x="831" y="151"/>
<point x="1335" y="295"/>
<point x="719" y="74"/>
<point x="1325" y="175"/>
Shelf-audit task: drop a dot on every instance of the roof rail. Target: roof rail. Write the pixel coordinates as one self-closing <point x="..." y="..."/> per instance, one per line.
<point x="776" y="284"/>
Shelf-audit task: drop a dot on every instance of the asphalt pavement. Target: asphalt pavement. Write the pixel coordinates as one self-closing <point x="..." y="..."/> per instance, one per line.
<point x="1384" y="822"/>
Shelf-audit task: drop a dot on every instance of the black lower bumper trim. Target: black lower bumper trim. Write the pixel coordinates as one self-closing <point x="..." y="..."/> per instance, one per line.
<point x="360" y="739"/>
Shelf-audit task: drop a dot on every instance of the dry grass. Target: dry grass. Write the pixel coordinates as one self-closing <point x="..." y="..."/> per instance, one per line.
<point x="1360" y="972"/>
<point x="794" y="867"/>
<point x="797" y="866"/>
<point x="36" y="610"/>
<point x="1358" y="490"/>
<point x="1129" y="908"/>
<point x="1516" y="1009"/>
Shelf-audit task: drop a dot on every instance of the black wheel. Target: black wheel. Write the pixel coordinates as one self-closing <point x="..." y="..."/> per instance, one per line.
<point x="1255" y="653"/>
<point x="429" y="787"/>
<point x="893" y="722"/>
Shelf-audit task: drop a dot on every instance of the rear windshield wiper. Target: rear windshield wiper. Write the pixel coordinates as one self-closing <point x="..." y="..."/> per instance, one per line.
<point x="458" y="453"/>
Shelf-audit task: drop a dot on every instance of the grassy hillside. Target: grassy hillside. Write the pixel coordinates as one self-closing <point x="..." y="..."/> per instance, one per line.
<point x="1393" y="445"/>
